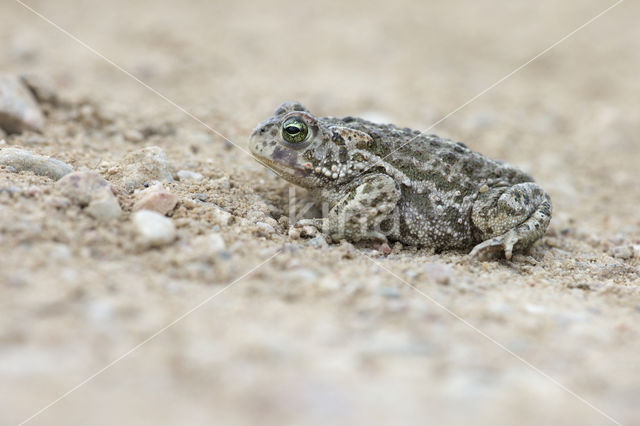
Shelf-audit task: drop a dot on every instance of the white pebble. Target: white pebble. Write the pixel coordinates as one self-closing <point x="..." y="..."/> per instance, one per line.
<point x="105" y="209"/>
<point x="216" y="242"/>
<point x="153" y="229"/>
<point x="221" y="217"/>
<point x="189" y="176"/>
<point x="145" y="166"/>
<point x="265" y="228"/>
<point x="19" y="110"/>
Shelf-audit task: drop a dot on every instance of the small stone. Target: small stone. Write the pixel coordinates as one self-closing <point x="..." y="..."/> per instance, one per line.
<point x="156" y="199"/>
<point x="283" y="221"/>
<point x="294" y="233"/>
<point x="153" y="229"/>
<point x="623" y="252"/>
<point x="265" y="228"/>
<point x="133" y="135"/>
<point x="222" y="183"/>
<point x="90" y="191"/>
<point x="145" y="166"/>
<point x="104" y="209"/>
<point x="188" y="203"/>
<point x="271" y="221"/>
<point x="221" y="217"/>
<point x="384" y="248"/>
<point x="319" y="241"/>
<point x="308" y="231"/>
<point x="348" y="250"/>
<point x="189" y="176"/>
<point x="19" y="110"/>
<point x="216" y="243"/>
<point x="22" y="160"/>
<point x="83" y="187"/>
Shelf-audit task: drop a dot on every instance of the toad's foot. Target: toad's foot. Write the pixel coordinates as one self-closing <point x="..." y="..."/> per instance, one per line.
<point x="495" y="246"/>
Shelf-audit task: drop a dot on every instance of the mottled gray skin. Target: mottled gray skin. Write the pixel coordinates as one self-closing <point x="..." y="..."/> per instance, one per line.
<point x="383" y="182"/>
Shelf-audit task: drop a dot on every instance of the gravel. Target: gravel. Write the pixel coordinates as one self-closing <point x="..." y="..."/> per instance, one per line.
<point x="19" y="110"/>
<point x="22" y="160"/>
<point x="189" y="176"/>
<point x="156" y="198"/>
<point x="89" y="190"/>
<point x="145" y="166"/>
<point x="153" y="229"/>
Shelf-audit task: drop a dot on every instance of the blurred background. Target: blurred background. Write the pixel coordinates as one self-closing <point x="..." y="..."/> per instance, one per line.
<point x="347" y="346"/>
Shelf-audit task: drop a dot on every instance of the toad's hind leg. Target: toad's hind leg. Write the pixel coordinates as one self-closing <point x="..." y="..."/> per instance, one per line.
<point x="510" y="218"/>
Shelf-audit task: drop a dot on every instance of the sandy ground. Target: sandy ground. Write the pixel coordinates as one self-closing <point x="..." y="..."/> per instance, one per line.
<point x="320" y="334"/>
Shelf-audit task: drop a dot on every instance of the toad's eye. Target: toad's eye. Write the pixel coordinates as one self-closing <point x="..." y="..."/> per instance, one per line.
<point x="294" y="130"/>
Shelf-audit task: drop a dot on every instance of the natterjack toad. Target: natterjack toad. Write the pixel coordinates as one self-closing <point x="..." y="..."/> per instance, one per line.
<point x="383" y="182"/>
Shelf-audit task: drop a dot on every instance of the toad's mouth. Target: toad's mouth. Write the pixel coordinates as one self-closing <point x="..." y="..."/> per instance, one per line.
<point x="290" y="172"/>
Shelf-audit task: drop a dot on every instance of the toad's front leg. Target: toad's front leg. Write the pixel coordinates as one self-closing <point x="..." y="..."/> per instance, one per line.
<point x="360" y="210"/>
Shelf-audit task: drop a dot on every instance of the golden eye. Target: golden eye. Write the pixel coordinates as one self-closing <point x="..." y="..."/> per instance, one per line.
<point x="294" y="130"/>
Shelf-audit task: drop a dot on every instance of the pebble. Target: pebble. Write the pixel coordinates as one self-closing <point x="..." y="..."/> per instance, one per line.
<point x="384" y="248"/>
<point x="222" y="217"/>
<point x="104" y="209"/>
<point x="90" y="191"/>
<point x="271" y="221"/>
<point x="294" y="233"/>
<point x="623" y="252"/>
<point x="83" y="187"/>
<point x="156" y="198"/>
<point x="319" y="241"/>
<point x="189" y="176"/>
<point x="222" y="183"/>
<point x="133" y="135"/>
<point x="216" y="243"/>
<point x="19" y="110"/>
<point x="188" y="203"/>
<point x="153" y="229"/>
<point x="145" y="165"/>
<point x="308" y="231"/>
<point x="265" y="228"/>
<point x="23" y="160"/>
